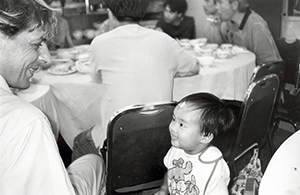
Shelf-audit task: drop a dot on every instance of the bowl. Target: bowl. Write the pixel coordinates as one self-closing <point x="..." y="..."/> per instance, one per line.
<point x="89" y="33"/>
<point x="222" y="54"/>
<point x="77" y="34"/>
<point x="237" y="49"/>
<point x="83" y="66"/>
<point x="202" y="41"/>
<point x="206" y="61"/>
<point x="206" y="52"/>
<point x="65" y="54"/>
<point x="213" y="46"/>
<point x="227" y="46"/>
<point x="197" y="51"/>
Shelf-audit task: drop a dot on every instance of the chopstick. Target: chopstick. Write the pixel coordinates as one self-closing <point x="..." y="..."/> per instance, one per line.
<point x="178" y="41"/>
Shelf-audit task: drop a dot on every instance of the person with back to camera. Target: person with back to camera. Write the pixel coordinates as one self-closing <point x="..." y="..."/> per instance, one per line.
<point x="174" y="21"/>
<point x="194" y="165"/>
<point x="212" y="29"/>
<point x="135" y="64"/>
<point x="243" y="27"/>
<point x="30" y="162"/>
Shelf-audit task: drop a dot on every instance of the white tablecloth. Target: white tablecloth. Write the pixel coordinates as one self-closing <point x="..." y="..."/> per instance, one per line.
<point x="282" y="175"/>
<point x="42" y="97"/>
<point x="227" y="78"/>
<point x="78" y="96"/>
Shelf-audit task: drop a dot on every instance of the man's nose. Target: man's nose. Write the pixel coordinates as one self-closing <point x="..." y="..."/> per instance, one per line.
<point x="44" y="54"/>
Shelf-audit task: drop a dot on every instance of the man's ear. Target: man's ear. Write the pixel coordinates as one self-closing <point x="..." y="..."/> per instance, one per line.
<point x="180" y="15"/>
<point x="206" y="139"/>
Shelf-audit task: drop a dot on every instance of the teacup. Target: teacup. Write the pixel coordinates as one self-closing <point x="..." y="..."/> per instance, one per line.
<point x="206" y="52"/>
<point x="222" y="54"/>
<point x="197" y="51"/>
<point x="212" y="46"/>
<point x="202" y="41"/>
<point x="227" y="46"/>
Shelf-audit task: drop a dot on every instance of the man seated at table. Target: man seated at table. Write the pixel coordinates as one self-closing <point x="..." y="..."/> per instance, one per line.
<point x="212" y="29"/>
<point x="30" y="162"/>
<point x="135" y="64"/>
<point x="174" y="21"/>
<point x="245" y="28"/>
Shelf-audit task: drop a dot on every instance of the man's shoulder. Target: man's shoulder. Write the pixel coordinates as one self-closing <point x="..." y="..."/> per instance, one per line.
<point x="16" y="114"/>
<point x="255" y="20"/>
<point x="14" y="106"/>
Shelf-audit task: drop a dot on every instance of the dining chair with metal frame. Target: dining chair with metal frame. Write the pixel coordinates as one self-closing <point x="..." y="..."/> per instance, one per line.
<point x="255" y="118"/>
<point x="137" y="140"/>
<point x="288" y="110"/>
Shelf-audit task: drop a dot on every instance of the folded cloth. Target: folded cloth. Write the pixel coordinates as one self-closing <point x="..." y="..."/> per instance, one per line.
<point x="87" y="175"/>
<point x="84" y="144"/>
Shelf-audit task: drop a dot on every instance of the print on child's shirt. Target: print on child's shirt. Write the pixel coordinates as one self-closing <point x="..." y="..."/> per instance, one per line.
<point x="181" y="182"/>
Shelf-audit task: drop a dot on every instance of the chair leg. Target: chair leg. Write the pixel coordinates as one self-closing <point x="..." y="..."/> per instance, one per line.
<point x="271" y="144"/>
<point x="270" y="136"/>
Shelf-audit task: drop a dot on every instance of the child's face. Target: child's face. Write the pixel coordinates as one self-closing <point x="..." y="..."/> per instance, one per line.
<point x="185" y="129"/>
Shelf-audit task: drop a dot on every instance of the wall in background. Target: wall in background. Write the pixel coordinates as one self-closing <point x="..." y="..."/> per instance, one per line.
<point x="195" y="9"/>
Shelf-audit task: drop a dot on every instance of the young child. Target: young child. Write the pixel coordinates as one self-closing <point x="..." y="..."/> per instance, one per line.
<point x="194" y="165"/>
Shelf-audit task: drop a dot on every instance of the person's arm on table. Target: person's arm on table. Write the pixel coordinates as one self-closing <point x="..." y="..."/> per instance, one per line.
<point x="94" y="71"/>
<point x="187" y="63"/>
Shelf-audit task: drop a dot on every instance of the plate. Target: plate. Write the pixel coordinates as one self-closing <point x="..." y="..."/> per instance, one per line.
<point x="64" y="69"/>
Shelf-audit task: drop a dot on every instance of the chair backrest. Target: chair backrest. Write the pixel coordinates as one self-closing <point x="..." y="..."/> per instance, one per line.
<point x="137" y="141"/>
<point x="290" y="53"/>
<point x="256" y="114"/>
<point x="275" y="67"/>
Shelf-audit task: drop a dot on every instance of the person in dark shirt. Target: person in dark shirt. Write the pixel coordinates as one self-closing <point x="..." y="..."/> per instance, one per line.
<point x="174" y="21"/>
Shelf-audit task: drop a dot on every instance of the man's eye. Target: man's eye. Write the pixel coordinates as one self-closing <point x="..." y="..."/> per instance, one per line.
<point x="37" y="46"/>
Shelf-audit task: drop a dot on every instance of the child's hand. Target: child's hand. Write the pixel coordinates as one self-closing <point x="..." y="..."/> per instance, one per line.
<point x="161" y="192"/>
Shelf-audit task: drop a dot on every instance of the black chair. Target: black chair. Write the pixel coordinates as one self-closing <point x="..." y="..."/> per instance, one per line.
<point x="255" y="118"/>
<point x="137" y="141"/>
<point x="273" y="67"/>
<point x="288" y="110"/>
<point x="290" y="53"/>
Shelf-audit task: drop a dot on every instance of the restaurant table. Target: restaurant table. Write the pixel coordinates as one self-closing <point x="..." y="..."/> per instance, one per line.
<point x="42" y="97"/>
<point x="78" y="97"/>
<point x="282" y="175"/>
<point x="226" y="78"/>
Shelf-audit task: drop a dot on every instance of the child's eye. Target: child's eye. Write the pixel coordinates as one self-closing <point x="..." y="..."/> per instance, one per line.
<point x="181" y="125"/>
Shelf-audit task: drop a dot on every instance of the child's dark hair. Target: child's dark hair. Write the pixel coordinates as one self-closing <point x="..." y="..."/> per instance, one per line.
<point x="216" y="116"/>
<point x="179" y="6"/>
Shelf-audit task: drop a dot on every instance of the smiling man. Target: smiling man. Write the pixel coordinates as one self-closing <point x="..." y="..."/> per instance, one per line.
<point x="28" y="150"/>
<point x="174" y="22"/>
